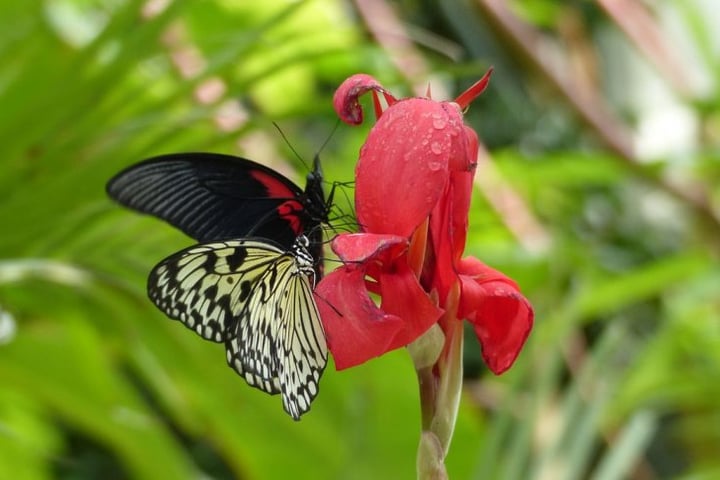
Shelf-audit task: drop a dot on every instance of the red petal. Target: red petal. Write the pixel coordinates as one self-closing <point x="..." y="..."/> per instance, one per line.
<point x="403" y="166"/>
<point x="461" y="185"/>
<point x="464" y="147"/>
<point x="345" y="100"/>
<point x="481" y="273"/>
<point x="476" y="89"/>
<point x="469" y="154"/>
<point x="448" y="230"/>
<point x="356" y="329"/>
<point x="444" y="273"/>
<point x="364" y="247"/>
<point x="501" y="316"/>
<point x="402" y="295"/>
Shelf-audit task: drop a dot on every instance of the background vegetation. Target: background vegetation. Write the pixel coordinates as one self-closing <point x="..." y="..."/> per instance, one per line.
<point x="599" y="194"/>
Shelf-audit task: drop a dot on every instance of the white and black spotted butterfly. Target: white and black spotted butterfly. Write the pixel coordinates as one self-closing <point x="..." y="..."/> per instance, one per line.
<point x="256" y="297"/>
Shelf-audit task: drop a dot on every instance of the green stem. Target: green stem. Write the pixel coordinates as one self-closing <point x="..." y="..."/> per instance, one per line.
<point x="440" y="389"/>
<point x="430" y="459"/>
<point x="428" y="395"/>
<point x="450" y="370"/>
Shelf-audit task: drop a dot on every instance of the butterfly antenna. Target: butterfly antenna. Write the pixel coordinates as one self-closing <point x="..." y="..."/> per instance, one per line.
<point x="327" y="140"/>
<point x="316" y="159"/>
<point x="287" y="142"/>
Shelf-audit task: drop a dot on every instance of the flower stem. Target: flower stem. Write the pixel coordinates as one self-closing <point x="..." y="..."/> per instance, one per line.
<point x="449" y="388"/>
<point x="440" y="388"/>
<point x="430" y="458"/>
<point x="428" y="394"/>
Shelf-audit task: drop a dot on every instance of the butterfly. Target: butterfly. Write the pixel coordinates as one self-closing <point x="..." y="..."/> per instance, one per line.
<point x="257" y="298"/>
<point x="249" y="282"/>
<point x="212" y="196"/>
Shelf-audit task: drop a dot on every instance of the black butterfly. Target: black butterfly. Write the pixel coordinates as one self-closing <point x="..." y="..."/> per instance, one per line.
<point x="211" y="196"/>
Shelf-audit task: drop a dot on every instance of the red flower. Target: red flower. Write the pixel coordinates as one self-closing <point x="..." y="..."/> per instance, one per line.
<point x="413" y="188"/>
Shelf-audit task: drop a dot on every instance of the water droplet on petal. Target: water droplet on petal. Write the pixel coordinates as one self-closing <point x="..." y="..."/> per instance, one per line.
<point x="434" y="166"/>
<point x="436" y="148"/>
<point x="439" y="123"/>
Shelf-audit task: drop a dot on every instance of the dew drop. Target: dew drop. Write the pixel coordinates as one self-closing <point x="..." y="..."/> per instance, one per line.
<point x="436" y="148"/>
<point x="434" y="166"/>
<point x="439" y="123"/>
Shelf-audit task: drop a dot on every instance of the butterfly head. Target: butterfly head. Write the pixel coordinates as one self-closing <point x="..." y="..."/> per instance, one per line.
<point x="305" y="261"/>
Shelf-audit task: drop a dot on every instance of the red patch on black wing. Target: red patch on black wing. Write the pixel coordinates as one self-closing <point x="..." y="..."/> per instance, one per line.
<point x="275" y="184"/>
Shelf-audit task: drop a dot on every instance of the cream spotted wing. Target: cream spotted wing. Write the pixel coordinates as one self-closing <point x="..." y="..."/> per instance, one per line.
<point x="257" y="298"/>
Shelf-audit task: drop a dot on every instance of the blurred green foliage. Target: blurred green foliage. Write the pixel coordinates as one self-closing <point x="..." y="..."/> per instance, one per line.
<point x="619" y="253"/>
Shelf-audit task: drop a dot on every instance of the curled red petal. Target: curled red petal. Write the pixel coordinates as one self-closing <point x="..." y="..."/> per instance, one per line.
<point x="345" y="100"/>
<point x="364" y="247"/>
<point x="501" y="316"/>
<point x="403" y="165"/>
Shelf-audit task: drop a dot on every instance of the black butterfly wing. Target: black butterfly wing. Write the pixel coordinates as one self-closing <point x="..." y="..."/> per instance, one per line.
<point x="213" y="197"/>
